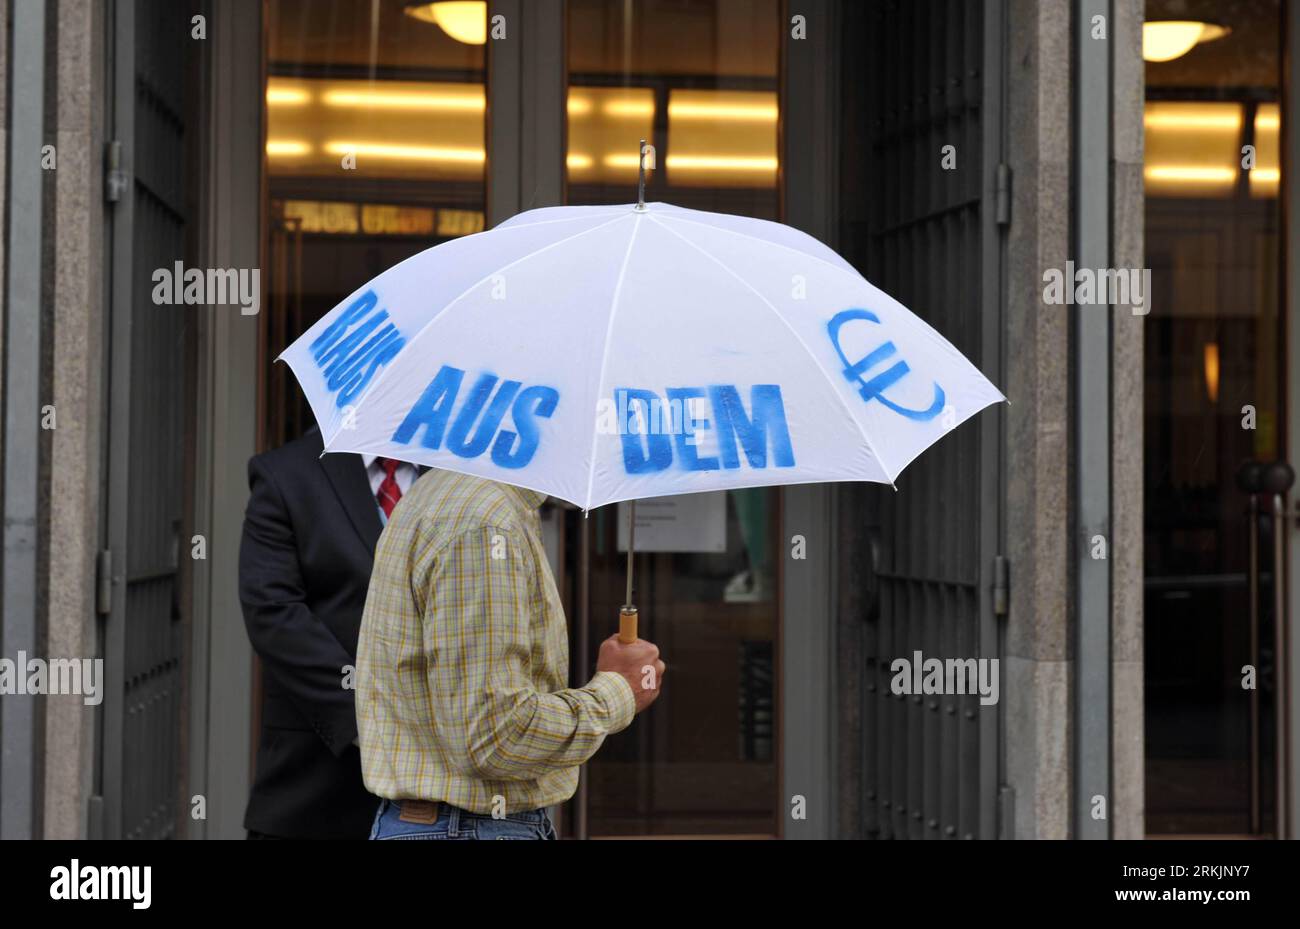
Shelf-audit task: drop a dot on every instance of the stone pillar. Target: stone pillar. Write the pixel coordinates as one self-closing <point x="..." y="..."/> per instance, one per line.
<point x="1036" y="663"/>
<point x="1127" y="802"/>
<point x="74" y="381"/>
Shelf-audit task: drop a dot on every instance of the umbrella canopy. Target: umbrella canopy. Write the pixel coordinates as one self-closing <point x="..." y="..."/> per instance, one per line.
<point x="607" y="353"/>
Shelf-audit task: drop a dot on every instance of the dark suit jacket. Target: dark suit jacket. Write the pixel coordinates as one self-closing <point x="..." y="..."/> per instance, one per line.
<point x="304" y="567"/>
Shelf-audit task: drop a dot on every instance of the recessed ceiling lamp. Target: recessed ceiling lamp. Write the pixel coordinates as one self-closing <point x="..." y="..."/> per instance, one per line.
<point x="463" y="20"/>
<point x="1165" y="40"/>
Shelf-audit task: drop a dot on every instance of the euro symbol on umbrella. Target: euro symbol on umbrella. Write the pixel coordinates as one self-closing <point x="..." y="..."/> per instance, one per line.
<point x="875" y="388"/>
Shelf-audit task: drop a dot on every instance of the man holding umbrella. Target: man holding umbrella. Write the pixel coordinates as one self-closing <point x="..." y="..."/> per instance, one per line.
<point x="467" y="730"/>
<point x="498" y="355"/>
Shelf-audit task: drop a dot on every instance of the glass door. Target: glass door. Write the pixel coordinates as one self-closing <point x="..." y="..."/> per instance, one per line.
<point x="698" y="79"/>
<point x="375" y="150"/>
<point x="1214" y="422"/>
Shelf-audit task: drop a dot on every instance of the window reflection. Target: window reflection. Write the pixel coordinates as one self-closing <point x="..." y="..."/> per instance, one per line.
<point x="430" y="130"/>
<point x="375" y="116"/>
<point x="601" y="121"/>
<point x="695" y="78"/>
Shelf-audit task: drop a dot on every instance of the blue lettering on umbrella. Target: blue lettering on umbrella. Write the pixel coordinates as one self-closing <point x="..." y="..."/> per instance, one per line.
<point x="473" y="428"/>
<point x="769" y="414"/>
<point x="875" y="388"/>
<point x="658" y="451"/>
<point x="354" y="346"/>
<point x="650" y="450"/>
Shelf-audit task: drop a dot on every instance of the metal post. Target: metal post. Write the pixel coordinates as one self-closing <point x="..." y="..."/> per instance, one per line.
<point x="1279" y="666"/>
<point x="22" y="408"/>
<point x="1277" y="481"/>
<point x="1252" y="531"/>
<point x="1092" y="338"/>
<point x="1249" y="480"/>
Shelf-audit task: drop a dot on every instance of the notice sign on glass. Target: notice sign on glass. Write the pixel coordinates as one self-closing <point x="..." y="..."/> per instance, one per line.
<point x="682" y="523"/>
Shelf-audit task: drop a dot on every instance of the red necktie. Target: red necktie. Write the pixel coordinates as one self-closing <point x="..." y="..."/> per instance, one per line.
<point x="389" y="491"/>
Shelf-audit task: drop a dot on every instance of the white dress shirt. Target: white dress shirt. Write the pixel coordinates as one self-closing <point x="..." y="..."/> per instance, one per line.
<point x="405" y="475"/>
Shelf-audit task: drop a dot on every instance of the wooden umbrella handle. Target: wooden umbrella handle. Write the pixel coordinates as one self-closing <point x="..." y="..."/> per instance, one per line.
<point x="627" y="625"/>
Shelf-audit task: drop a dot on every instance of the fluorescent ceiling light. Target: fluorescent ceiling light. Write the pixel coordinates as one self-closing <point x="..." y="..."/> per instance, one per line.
<point x="1165" y="40"/>
<point x="406" y="152"/>
<point x="720" y="163"/>
<point x="278" y="148"/>
<point x="398" y="100"/>
<point x="281" y="96"/>
<point x="760" y="112"/>
<point x="1196" y="174"/>
<point x="629" y="108"/>
<point x="463" y="20"/>
<point x="1201" y="120"/>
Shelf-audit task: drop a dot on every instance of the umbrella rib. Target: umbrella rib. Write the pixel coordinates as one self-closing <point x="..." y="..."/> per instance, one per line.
<point x="604" y="354"/>
<point x="802" y="344"/>
<point x="383" y="372"/>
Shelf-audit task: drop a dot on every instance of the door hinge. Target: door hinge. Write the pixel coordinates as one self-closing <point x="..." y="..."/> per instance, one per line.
<point x="104" y="582"/>
<point x="115" y="179"/>
<point x="1002" y="194"/>
<point x="1001" y="585"/>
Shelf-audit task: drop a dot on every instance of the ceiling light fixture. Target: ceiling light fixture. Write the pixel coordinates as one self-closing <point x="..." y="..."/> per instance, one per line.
<point x="1165" y="40"/>
<point x="463" y="20"/>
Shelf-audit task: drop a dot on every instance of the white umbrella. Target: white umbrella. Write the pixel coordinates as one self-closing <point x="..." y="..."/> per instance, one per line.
<point x="606" y="353"/>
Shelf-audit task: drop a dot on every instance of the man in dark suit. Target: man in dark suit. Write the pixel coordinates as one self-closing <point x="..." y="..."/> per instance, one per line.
<point x="304" y="567"/>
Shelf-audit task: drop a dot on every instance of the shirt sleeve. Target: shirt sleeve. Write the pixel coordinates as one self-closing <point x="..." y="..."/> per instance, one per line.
<point x="482" y="614"/>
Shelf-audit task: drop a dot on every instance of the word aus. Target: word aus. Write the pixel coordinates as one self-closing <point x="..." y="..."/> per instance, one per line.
<point x="470" y="428"/>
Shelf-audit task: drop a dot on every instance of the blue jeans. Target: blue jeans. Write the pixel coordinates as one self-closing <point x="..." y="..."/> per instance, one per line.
<point x="455" y="823"/>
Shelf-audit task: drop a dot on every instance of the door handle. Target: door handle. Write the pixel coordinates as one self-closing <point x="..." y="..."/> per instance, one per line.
<point x="1272" y="482"/>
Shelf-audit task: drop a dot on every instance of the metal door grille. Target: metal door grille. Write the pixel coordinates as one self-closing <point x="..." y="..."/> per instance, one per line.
<point x="143" y="645"/>
<point x="923" y="244"/>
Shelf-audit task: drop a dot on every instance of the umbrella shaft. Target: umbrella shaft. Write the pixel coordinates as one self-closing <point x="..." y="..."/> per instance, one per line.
<point x="631" y="547"/>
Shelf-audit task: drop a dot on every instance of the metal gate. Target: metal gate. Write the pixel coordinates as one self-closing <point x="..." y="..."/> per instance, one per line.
<point x="140" y="575"/>
<point x="931" y="239"/>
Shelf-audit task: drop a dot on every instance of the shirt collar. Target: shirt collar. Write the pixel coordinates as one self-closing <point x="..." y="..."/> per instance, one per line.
<point x="369" y="460"/>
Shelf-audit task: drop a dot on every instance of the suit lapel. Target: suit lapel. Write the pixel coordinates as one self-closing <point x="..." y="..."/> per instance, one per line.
<point x="348" y="475"/>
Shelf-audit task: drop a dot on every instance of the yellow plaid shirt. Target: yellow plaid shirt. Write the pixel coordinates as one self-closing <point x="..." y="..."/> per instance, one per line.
<point x="463" y="659"/>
